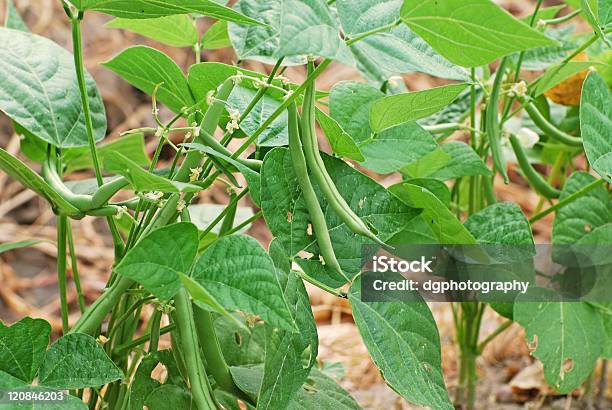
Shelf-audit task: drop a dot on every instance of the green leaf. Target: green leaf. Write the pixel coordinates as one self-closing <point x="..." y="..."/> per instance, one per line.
<point x="142" y="180"/>
<point x="605" y="311"/>
<point x="176" y="31"/>
<point x="216" y="36"/>
<point x="400" y="108"/>
<point x="503" y="222"/>
<point x="39" y="90"/>
<point x="158" y="258"/>
<point x="350" y="104"/>
<point x="76" y="361"/>
<point x="30" y="179"/>
<point x="287" y="216"/>
<point x="470" y="32"/>
<point x="285" y="368"/>
<point x="147" y="9"/>
<point x="435" y="186"/>
<point x="542" y="57"/>
<point x="578" y="218"/>
<point x="169" y="396"/>
<point x="241" y="275"/>
<point x="309" y="27"/>
<point x="322" y="392"/>
<point x="5" y="247"/>
<point x="557" y="73"/>
<point x="243" y="344"/>
<point x="452" y="160"/>
<point x="276" y="133"/>
<point x="590" y="10"/>
<point x="143" y="384"/>
<point x="567" y="336"/>
<point x="259" y="43"/>
<point x="145" y="68"/>
<point x="395" y="148"/>
<point x="131" y="146"/>
<point x="596" y="124"/>
<point x="12" y="19"/>
<point x="403" y="340"/>
<point x="8" y="382"/>
<point x="341" y="143"/>
<point x="395" y="51"/>
<point x="204" y="299"/>
<point x="443" y="223"/>
<point x="457" y="111"/>
<point x="22" y="347"/>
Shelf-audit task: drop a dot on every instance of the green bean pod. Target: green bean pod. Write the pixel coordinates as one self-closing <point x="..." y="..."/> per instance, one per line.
<point x="319" y="226"/>
<point x="317" y="166"/>
<point x="492" y="122"/>
<point x="548" y="128"/>
<point x="50" y="175"/>
<point x="535" y="179"/>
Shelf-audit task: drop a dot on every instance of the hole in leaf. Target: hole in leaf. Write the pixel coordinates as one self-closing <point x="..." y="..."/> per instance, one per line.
<point x="159" y="373"/>
<point x="238" y="338"/>
<point x="289" y="216"/>
<point x="533" y="345"/>
<point x="361" y="203"/>
<point x="309" y="230"/>
<point x="242" y="405"/>
<point x="588" y="228"/>
<point x="566" y="367"/>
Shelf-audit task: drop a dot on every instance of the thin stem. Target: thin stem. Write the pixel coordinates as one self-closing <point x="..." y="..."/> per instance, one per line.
<point x="155" y="331"/>
<point x="372" y="32"/>
<point x="75" y="269"/>
<point x="493" y="335"/>
<point x="121" y="349"/>
<point x="562" y="19"/>
<point x="62" y="222"/>
<point x="244" y="224"/>
<point x="567" y="200"/>
<point x="321" y="285"/>
<point x="222" y="214"/>
<point x="532" y="21"/>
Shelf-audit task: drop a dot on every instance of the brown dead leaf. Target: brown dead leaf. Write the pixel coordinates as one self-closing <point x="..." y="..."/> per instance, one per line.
<point x="567" y="92"/>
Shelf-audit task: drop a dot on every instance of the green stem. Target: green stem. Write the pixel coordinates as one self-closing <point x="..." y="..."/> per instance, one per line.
<point x="155" y="324"/>
<point x="567" y="200"/>
<point x="522" y="53"/>
<point x="492" y="121"/>
<point x="62" y="222"/>
<point x="75" y="269"/>
<point x="562" y="19"/>
<point x="321" y="285"/>
<point x="122" y="349"/>
<point x="244" y="224"/>
<point x="535" y="179"/>
<point x="190" y="348"/>
<point x="372" y="32"/>
<point x="500" y="329"/>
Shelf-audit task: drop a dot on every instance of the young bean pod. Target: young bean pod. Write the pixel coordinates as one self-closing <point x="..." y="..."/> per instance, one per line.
<point x="548" y="128"/>
<point x="317" y="166"/>
<point x="535" y="180"/>
<point x="319" y="226"/>
<point x="492" y="122"/>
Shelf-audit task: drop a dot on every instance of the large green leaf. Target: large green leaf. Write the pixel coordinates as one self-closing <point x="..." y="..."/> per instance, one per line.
<point x="242" y="345"/>
<point x="176" y="31"/>
<point x="542" y="57"/>
<point x="146" y="9"/>
<point x="76" y="361"/>
<point x="287" y="216"/>
<point x="400" y="108"/>
<point x="596" y="124"/>
<point x="142" y="180"/>
<point x="384" y="152"/>
<point x="585" y="214"/>
<point x="395" y="148"/>
<point x="8" y="382"/>
<point x="30" y="179"/>
<point x="22" y="347"/>
<point x="443" y="223"/>
<point x="309" y="27"/>
<point x="452" y="160"/>
<point x="567" y="336"/>
<point x="39" y="90"/>
<point x="276" y="133"/>
<point x="158" y="258"/>
<point x="503" y="223"/>
<point x="395" y="51"/>
<point x="403" y="340"/>
<point x="470" y="32"/>
<point x="241" y="275"/>
<point x="322" y="392"/>
<point x="216" y="36"/>
<point x="259" y="43"/>
<point x="143" y="384"/>
<point x="145" y="68"/>
<point x="286" y="368"/>
<point x="131" y="146"/>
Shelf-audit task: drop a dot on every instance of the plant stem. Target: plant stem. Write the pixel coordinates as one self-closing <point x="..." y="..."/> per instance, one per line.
<point x="562" y="19"/>
<point x="121" y="349"/>
<point x="190" y="348"/>
<point x="62" y="222"/>
<point x="372" y="32"/>
<point x="493" y="335"/>
<point x="244" y="224"/>
<point x="567" y="200"/>
<point x="321" y="285"/>
<point x="75" y="269"/>
<point x="154" y="339"/>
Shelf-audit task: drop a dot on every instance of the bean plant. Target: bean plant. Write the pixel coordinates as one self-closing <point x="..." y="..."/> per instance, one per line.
<point x="238" y="316"/>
